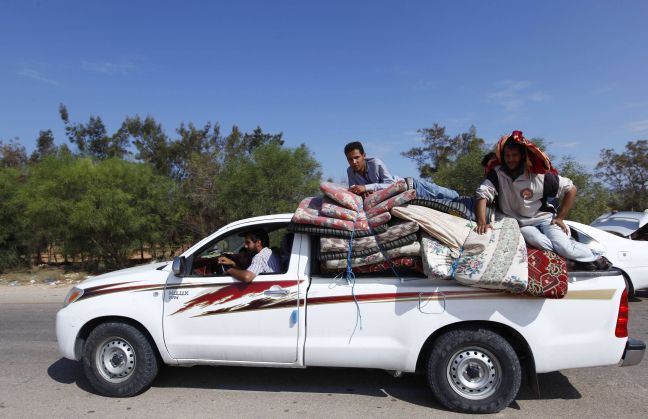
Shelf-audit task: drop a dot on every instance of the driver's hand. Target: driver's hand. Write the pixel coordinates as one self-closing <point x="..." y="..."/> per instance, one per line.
<point x="483" y="228"/>
<point x="224" y="260"/>
<point x="358" y="189"/>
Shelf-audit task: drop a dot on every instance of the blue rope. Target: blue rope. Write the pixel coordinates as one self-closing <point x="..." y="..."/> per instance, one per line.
<point x="350" y="278"/>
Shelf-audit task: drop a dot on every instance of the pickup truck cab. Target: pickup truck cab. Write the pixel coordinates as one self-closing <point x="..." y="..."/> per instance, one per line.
<point x="472" y="344"/>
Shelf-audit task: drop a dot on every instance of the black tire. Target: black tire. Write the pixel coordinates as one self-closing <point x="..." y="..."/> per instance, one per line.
<point x="473" y="370"/>
<point x="119" y="360"/>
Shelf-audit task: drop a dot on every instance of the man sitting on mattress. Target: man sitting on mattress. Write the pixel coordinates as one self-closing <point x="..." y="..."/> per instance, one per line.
<point x="369" y="174"/>
<point x="522" y="181"/>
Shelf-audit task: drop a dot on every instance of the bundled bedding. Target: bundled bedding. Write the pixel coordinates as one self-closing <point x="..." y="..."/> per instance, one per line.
<point x="392" y="229"/>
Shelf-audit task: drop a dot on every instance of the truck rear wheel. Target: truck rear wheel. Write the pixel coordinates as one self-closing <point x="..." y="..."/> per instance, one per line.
<point x="473" y="370"/>
<point x="119" y="360"/>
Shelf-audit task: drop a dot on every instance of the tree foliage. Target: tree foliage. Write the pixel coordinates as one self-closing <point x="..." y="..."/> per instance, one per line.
<point x="627" y="174"/>
<point x="440" y="149"/>
<point x="138" y="190"/>
<point x="592" y="197"/>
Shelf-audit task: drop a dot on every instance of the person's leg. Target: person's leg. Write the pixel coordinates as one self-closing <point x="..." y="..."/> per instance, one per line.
<point x="566" y="247"/>
<point x="430" y="190"/>
<point x="534" y="238"/>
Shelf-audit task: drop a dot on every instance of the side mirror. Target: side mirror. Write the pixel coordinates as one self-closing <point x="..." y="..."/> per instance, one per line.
<point x="178" y="266"/>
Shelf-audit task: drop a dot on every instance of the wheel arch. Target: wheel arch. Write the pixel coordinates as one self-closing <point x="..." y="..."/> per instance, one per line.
<point x="517" y="341"/>
<point x="87" y="328"/>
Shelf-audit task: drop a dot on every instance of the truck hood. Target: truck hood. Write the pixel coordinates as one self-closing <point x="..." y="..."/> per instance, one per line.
<point x="151" y="273"/>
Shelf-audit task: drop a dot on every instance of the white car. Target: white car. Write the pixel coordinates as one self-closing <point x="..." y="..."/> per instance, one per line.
<point x="630" y="256"/>
<point x="629" y="224"/>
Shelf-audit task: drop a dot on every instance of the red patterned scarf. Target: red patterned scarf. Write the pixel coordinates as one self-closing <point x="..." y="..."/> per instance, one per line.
<point x="537" y="160"/>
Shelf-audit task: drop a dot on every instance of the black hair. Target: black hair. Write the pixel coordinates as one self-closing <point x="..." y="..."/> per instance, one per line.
<point x="259" y="234"/>
<point x="487" y="158"/>
<point x="511" y="143"/>
<point x="355" y="145"/>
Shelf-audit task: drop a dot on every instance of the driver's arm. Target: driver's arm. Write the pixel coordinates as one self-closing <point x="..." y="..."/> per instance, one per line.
<point x="242" y="275"/>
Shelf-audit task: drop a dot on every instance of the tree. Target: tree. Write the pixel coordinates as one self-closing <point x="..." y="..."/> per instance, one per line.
<point x="440" y="149"/>
<point x="152" y="144"/>
<point x="271" y="179"/>
<point x="464" y="174"/>
<point x="12" y="154"/>
<point x="92" y="138"/>
<point x="11" y="245"/>
<point x="627" y="174"/>
<point x="44" y="146"/>
<point x="592" y="197"/>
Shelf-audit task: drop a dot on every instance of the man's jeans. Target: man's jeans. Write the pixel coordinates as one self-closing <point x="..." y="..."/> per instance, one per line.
<point x="547" y="236"/>
<point x="429" y="190"/>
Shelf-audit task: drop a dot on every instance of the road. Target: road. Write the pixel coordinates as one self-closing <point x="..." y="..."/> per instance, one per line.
<point x="36" y="382"/>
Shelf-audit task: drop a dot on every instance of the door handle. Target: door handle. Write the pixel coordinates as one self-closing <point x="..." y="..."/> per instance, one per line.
<point x="276" y="291"/>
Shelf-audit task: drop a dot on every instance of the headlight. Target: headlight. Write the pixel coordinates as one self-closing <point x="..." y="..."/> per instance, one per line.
<point x="74" y="294"/>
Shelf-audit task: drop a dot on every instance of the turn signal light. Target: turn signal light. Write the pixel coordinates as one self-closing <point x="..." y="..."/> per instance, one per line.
<point x="74" y="294"/>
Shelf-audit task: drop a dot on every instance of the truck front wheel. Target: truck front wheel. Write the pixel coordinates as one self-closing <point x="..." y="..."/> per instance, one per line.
<point x="119" y="360"/>
<point x="473" y="370"/>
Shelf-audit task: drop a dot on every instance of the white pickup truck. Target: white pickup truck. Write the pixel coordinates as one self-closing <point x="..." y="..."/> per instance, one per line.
<point x="472" y="344"/>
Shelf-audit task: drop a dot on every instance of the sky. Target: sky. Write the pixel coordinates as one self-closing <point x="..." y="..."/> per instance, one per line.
<point x="328" y="72"/>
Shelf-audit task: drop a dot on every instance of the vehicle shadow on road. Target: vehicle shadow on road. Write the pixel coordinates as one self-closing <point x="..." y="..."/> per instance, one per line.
<point x="65" y="371"/>
<point x="553" y="385"/>
<point x="409" y="388"/>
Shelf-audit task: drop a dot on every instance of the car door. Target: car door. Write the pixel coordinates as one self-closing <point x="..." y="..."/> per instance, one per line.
<point x="209" y="315"/>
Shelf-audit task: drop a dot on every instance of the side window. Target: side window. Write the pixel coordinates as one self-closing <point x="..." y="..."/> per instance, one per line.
<point x="205" y="261"/>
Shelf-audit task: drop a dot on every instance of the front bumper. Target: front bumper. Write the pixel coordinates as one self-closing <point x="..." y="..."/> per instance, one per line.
<point x="633" y="352"/>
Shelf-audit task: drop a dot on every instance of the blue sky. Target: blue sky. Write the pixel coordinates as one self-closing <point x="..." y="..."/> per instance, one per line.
<point x="327" y="72"/>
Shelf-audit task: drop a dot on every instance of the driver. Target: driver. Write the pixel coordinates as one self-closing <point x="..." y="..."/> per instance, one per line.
<point x="263" y="261"/>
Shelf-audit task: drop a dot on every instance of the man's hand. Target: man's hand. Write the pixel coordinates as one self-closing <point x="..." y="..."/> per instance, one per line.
<point x="483" y="228"/>
<point x="560" y="223"/>
<point x="358" y="189"/>
<point x="225" y="261"/>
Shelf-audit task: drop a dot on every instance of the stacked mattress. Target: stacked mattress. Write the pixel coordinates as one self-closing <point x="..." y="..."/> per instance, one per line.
<point x="393" y="230"/>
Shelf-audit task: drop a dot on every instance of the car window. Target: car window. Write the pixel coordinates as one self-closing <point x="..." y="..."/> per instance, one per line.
<point x="205" y="261"/>
<point x="629" y="223"/>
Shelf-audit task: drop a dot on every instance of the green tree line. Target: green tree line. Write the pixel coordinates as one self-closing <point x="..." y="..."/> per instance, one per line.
<point x="139" y="191"/>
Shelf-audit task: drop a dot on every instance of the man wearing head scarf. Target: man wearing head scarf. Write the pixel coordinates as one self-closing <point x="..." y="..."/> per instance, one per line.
<point x="522" y="181"/>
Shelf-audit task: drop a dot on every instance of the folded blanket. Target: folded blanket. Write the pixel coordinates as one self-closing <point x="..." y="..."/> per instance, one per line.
<point x="333" y="232"/>
<point x="356" y="253"/>
<point x="463" y="207"/>
<point x="548" y="276"/>
<point x="436" y="258"/>
<point x="331" y="209"/>
<point x="502" y="266"/>
<point x="342" y="196"/>
<point x="450" y="230"/>
<point x="308" y="212"/>
<point x="392" y="202"/>
<point x="413" y="249"/>
<point x="393" y="232"/>
<point x="377" y="197"/>
<point x="413" y="263"/>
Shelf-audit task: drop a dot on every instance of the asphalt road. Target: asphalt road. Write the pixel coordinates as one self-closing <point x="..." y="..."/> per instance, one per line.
<point x="36" y="382"/>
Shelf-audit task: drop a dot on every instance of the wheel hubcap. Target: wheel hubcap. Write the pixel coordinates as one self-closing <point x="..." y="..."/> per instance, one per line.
<point x="115" y="359"/>
<point x="474" y="373"/>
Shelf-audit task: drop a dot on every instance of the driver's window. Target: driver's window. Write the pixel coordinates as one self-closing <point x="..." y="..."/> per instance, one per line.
<point x="205" y="263"/>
